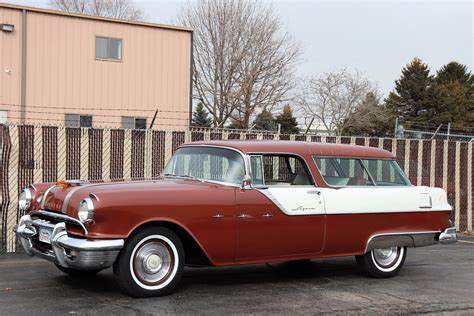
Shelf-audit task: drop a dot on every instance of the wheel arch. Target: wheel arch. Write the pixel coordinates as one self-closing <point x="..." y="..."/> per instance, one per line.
<point x="194" y="253"/>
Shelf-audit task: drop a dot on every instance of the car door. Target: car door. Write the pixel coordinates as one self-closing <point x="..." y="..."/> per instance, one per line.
<point x="278" y="220"/>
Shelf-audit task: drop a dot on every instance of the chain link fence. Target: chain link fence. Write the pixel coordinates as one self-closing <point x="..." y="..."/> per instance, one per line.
<point x="31" y="154"/>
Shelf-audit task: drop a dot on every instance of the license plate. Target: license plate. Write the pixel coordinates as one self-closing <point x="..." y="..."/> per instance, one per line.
<point x="45" y="235"/>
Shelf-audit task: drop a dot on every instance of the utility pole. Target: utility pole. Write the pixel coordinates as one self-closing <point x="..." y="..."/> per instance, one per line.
<point x="396" y="127"/>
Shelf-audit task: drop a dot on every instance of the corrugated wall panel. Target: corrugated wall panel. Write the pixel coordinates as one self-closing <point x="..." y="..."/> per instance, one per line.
<point x="65" y="77"/>
<point x="10" y="63"/>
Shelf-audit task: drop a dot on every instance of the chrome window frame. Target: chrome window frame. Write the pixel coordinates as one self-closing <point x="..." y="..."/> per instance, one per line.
<point x="262" y="170"/>
<point x="262" y="153"/>
<point x="245" y="158"/>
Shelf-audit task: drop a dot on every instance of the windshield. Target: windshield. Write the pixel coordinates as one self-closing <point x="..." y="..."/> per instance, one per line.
<point x="207" y="163"/>
<point x="339" y="171"/>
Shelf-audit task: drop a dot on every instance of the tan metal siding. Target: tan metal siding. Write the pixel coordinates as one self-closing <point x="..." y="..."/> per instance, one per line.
<point x="63" y="75"/>
<point x="10" y="62"/>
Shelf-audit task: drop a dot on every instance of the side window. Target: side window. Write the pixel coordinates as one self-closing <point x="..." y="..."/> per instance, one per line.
<point x="343" y="171"/>
<point x="386" y="172"/>
<point x="133" y="122"/>
<point x="280" y="170"/>
<point x="256" y="163"/>
<point x="76" y="120"/>
<point x="108" y="48"/>
<point x="3" y="117"/>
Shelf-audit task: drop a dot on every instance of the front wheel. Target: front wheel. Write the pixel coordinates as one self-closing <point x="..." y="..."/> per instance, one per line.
<point x="382" y="263"/>
<point x="150" y="264"/>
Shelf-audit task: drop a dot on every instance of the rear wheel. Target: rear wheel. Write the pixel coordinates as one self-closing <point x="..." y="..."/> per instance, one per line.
<point x="151" y="263"/>
<point x="382" y="263"/>
<point x="78" y="273"/>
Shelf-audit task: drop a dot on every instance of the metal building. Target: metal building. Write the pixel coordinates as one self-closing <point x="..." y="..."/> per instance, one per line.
<point x="79" y="70"/>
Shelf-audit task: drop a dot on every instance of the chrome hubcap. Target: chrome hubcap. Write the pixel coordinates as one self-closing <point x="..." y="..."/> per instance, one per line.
<point x="386" y="257"/>
<point x="153" y="262"/>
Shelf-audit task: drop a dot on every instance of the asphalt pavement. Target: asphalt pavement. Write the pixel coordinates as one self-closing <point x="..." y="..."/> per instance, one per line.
<point x="435" y="280"/>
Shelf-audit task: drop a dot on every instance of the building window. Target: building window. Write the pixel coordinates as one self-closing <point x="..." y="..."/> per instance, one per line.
<point x="76" y="120"/>
<point x="3" y="117"/>
<point x="108" y="48"/>
<point x="133" y="122"/>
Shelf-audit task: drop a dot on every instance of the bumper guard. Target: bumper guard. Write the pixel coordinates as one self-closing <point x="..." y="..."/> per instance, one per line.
<point x="68" y="252"/>
<point x="448" y="236"/>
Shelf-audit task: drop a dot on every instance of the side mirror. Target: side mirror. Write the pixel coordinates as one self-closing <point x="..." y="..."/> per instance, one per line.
<point x="246" y="182"/>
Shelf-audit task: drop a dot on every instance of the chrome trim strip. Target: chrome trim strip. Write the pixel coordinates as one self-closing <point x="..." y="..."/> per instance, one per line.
<point x="62" y="217"/>
<point x="45" y="195"/>
<point x="399" y="233"/>
<point x="270" y="196"/>
<point x="69" y="196"/>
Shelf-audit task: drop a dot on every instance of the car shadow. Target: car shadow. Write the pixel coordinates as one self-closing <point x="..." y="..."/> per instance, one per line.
<point x="316" y="272"/>
<point x="319" y="271"/>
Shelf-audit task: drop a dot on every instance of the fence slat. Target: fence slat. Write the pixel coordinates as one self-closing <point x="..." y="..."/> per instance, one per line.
<point x="457" y="186"/>
<point x="14" y="190"/>
<point x="469" y="186"/>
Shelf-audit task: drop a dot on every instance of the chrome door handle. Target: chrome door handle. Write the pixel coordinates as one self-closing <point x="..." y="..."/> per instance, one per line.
<point x="244" y="216"/>
<point x="314" y="192"/>
<point x="218" y="216"/>
<point x="267" y="215"/>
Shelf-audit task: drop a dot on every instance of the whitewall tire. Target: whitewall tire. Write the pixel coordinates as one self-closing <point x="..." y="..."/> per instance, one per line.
<point x="382" y="263"/>
<point x="151" y="263"/>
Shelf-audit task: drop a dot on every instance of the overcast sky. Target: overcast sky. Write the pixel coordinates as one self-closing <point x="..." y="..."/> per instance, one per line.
<point x="376" y="37"/>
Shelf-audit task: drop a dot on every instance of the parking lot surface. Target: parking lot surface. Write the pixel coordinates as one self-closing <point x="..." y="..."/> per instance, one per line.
<point x="435" y="280"/>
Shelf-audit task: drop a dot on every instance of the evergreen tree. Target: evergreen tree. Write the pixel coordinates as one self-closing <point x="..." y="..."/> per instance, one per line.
<point x="455" y="90"/>
<point x="455" y="72"/>
<point x="414" y="97"/>
<point x="370" y="119"/>
<point x="265" y="121"/>
<point x="200" y="117"/>
<point x="288" y="123"/>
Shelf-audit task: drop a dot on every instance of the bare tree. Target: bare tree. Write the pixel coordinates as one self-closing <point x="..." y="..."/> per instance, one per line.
<point x="119" y="9"/>
<point x="332" y="97"/>
<point x="243" y="60"/>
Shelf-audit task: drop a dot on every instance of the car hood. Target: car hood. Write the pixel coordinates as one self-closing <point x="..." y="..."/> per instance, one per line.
<point x="66" y="199"/>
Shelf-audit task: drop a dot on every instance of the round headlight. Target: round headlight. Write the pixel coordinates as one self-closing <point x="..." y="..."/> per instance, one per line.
<point x="85" y="211"/>
<point x="24" y="201"/>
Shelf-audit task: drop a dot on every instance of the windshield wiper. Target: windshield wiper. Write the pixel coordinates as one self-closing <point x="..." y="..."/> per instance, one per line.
<point x="180" y="176"/>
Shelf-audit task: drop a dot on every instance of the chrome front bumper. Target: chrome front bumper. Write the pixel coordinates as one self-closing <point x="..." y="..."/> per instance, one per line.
<point x="68" y="252"/>
<point x="448" y="236"/>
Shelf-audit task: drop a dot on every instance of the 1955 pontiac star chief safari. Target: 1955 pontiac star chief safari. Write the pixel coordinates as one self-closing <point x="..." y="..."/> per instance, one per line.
<point x="223" y="203"/>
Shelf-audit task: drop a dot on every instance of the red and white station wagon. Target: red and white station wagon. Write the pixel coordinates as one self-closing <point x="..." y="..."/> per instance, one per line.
<point x="224" y="203"/>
